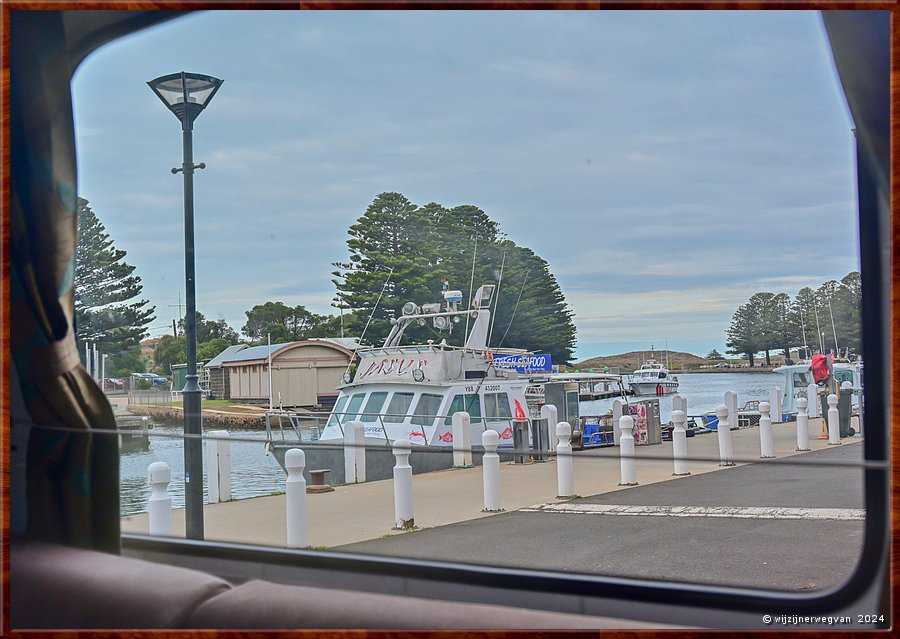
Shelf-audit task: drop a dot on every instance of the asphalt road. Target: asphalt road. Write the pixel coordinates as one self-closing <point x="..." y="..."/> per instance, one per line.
<point x="731" y="540"/>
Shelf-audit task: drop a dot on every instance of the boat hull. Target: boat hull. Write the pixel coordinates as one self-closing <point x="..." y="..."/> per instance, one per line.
<point x="654" y="388"/>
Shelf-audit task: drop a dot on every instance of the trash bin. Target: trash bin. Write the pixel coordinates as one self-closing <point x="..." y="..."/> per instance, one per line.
<point x="520" y="441"/>
<point x="844" y="401"/>
<point x="539" y="438"/>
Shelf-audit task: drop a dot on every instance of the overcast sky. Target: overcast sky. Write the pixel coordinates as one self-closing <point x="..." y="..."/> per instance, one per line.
<point x="667" y="165"/>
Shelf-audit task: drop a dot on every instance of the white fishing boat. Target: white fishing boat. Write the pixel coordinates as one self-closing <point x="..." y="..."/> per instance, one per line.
<point x="653" y="379"/>
<point x="411" y="391"/>
<point x="798" y="377"/>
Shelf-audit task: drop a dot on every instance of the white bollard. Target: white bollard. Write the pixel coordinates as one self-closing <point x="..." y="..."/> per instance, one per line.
<point x="679" y="442"/>
<point x="812" y="395"/>
<point x="403" y="497"/>
<point x="295" y="498"/>
<point x="549" y="412"/>
<point x="565" y="463"/>
<point x="726" y="454"/>
<point x="766" y="438"/>
<point x="679" y="403"/>
<point x="731" y="401"/>
<point x="218" y="466"/>
<point x="774" y="405"/>
<point x="834" y="428"/>
<point x="626" y="451"/>
<point x="802" y="424"/>
<point x="490" y="468"/>
<point x="462" y="440"/>
<point x="619" y="408"/>
<point x="159" y="507"/>
<point x="354" y="452"/>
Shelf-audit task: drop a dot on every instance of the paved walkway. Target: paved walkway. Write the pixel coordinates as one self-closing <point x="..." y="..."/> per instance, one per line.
<point x="362" y="512"/>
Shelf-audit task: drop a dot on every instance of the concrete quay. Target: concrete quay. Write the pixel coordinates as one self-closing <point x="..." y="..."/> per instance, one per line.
<point x="361" y="512"/>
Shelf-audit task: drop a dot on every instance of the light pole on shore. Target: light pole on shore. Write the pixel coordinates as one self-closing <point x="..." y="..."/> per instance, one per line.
<point x="186" y="95"/>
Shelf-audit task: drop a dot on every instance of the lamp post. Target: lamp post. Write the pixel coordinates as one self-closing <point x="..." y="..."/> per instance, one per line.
<point x="186" y="95"/>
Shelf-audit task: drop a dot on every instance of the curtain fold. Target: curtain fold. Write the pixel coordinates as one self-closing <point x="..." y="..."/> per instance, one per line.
<point x="72" y="475"/>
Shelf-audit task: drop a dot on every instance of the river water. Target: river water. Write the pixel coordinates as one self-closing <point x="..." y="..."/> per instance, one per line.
<point x="255" y="474"/>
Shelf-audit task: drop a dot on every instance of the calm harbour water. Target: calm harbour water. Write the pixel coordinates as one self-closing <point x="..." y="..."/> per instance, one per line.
<point x="256" y="474"/>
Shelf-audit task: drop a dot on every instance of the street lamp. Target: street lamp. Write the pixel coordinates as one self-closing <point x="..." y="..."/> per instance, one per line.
<point x="186" y="95"/>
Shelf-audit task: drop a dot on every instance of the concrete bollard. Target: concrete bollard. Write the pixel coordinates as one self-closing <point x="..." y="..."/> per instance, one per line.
<point x="731" y="402"/>
<point x="159" y="506"/>
<point x="834" y="428"/>
<point x="354" y="452"/>
<point x="679" y="442"/>
<point x="774" y="405"/>
<point x="766" y="438"/>
<point x="679" y="402"/>
<point x="565" y="463"/>
<point x="403" y="497"/>
<point x="462" y="440"/>
<point x="218" y="466"/>
<point x="626" y="451"/>
<point x="549" y="412"/>
<point x="490" y="468"/>
<point x="619" y="408"/>
<point x="812" y="396"/>
<point x="802" y="424"/>
<point x="726" y="453"/>
<point x="295" y="499"/>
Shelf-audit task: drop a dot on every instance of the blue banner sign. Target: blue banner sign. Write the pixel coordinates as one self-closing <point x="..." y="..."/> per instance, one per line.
<point x="525" y="363"/>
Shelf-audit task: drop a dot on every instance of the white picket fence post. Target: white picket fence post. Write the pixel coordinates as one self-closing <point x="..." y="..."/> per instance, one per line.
<point x="726" y="453"/>
<point x="766" y="438"/>
<point x="679" y="442"/>
<point x="834" y="427"/>
<point x="403" y="497"/>
<point x="549" y="412"/>
<point x="490" y="469"/>
<point x="802" y="424"/>
<point x="565" y="463"/>
<point x="218" y="466"/>
<point x="159" y="506"/>
<point x="354" y="452"/>
<point x="626" y="451"/>
<point x="295" y="498"/>
<point x="462" y="440"/>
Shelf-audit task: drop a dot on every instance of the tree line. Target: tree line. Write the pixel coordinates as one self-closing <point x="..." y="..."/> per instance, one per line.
<point x="824" y="320"/>
<point x="398" y="251"/>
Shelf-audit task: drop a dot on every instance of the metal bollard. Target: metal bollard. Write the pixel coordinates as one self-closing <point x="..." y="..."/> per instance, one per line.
<point x="802" y="424"/>
<point x="490" y="468"/>
<point x="679" y="442"/>
<point x="354" y="452"/>
<point x="834" y="427"/>
<point x="549" y="412"/>
<point x="462" y="440"/>
<point x="295" y="498"/>
<point x="565" y="463"/>
<point x="626" y="451"/>
<point x="403" y="497"/>
<point x="159" y="506"/>
<point x="218" y="466"/>
<point x="726" y="454"/>
<point x="766" y="438"/>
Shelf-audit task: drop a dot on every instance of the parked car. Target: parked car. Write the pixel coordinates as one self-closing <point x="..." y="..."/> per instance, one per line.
<point x="111" y="384"/>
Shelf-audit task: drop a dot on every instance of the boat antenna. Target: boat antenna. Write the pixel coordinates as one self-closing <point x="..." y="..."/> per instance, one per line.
<point x="802" y="325"/>
<point x="515" y="308"/>
<point x="497" y="300"/>
<point x="371" y="315"/>
<point x="818" y="327"/>
<point x="471" y="285"/>
<point x="837" y="349"/>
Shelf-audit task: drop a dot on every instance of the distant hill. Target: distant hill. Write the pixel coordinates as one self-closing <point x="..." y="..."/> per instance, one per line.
<point x="627" y="362"/>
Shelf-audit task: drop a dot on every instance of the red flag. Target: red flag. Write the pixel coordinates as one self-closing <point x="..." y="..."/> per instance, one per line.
<point x="820" y="368"/>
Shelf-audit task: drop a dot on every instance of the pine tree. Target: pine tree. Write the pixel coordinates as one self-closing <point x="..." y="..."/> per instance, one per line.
<point x="106" y="288"/>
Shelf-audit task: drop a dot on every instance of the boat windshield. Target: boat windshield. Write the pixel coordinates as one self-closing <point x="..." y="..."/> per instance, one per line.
<point x="427" y="409"/>
<point x="496" y="407"/>
<point x="469" y="403"/>
<point x="373" y="407"/>
<point x="398" y="408"/>
<point x="352" y="410"/>
<point x="338" y="409"/>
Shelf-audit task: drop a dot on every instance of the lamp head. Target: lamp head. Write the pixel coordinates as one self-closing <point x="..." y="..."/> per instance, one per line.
<point x="185" y="94"/>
